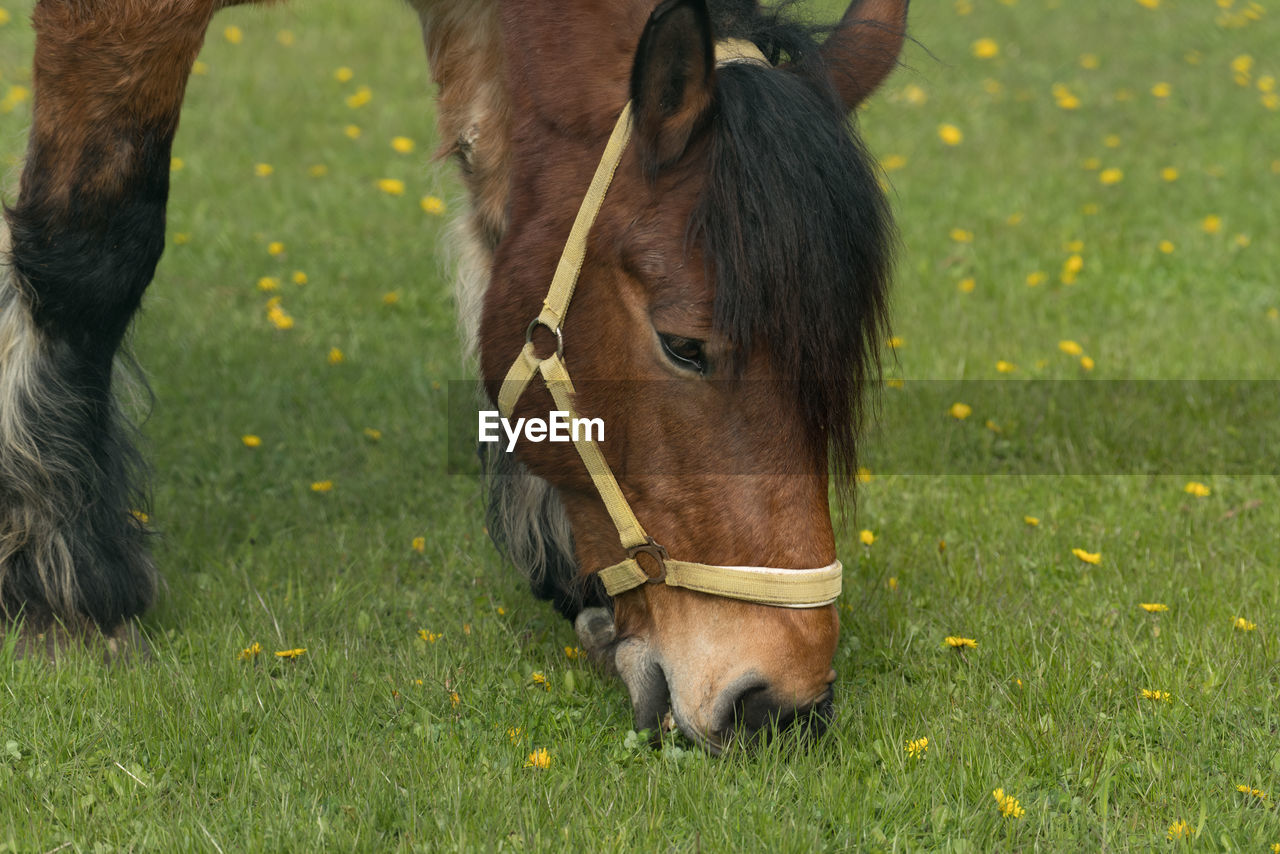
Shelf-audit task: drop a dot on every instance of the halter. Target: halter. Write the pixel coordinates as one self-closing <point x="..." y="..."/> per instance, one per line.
<point x="786" y="588"/>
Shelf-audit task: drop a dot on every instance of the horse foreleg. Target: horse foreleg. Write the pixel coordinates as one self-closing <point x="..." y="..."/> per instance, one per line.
<point x="83" y="241"/>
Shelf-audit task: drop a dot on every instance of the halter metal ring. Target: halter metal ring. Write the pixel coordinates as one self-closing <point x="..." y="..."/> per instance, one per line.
<point x="554" y="330"/>
<point x="651" y="548"/>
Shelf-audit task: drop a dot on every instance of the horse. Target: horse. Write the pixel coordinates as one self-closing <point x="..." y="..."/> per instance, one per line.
<point x="729" y="287"/>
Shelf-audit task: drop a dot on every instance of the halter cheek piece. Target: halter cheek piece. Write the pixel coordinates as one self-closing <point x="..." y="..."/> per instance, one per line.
<point x="786" y="588"/>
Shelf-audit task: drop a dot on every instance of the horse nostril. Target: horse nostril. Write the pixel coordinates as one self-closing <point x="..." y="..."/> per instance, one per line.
<point x="757" y="714"/>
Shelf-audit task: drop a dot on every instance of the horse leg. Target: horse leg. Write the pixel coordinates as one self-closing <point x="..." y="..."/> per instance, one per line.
<point x="81" y="246"/>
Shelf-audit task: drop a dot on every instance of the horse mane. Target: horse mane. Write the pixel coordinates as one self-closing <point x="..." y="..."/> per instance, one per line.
<point x="795" y="228"/>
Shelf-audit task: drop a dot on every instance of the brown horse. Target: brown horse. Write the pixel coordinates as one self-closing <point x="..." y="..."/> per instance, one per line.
<point x="726" y="317"/>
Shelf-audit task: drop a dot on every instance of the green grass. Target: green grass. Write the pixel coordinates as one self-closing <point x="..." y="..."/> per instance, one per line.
<point x="359" y="744"/>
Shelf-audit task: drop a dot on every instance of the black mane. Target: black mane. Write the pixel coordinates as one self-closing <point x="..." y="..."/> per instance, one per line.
<point x="795" y="226"/>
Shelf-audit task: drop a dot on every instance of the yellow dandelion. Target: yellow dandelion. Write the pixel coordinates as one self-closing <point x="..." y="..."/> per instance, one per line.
<point x="895" y="383"/>
<point x="419" y="544"/>
<point x="1242" y="64"/>
<point x="1091" y="209"/>
<point x="1089" y="61"/>
<point x="1211" y="224"/>
<point x="279" y="318"/>
<point x="1242" y="240"/>
<point x="343" y="74"/>
<point x="336" y="356"/>
<point x="1150" y="4"/>
<point x="960" y="235"/>
<point x="866" y="537"/>
<point x="1156" y="696"/>
<point x="1005" y="367"/>
<point x="1167" y="247"/>
<point x="291" y="653"/>
<point x="1161" y="90"/>
<point x="391" y="186"/>
<point x="5" y="17"/>
<point x="917" y="748"/>
<point x="1088" y="557"/>
<point x="1252" y="792"/>
<point x="299" y="277"/>
<point x="960" y="411"/>
<point x="1266" y="83"/>
<point x="391" y="298"/>
<point x="1194" y="487"/>
<point x="317" y="170"/>
<point x="322" y="486"/>
<point x="959" y="642"/>
<point x="360" y="97"/>
<point x="1153" y="607"/>
<point x="1169" y="173"/>
<point x="352" y="131"/>
<point x="1035" y="279"/>
<point x="433" y="205"/>
<point x="263" y="170"/>
<point x="402" y="144"/>
<point x="1071" y="348"/>
<point x="573" y="653"/>
<point x="914" y="95"/>
<point x="540" y="759"/>
<point x="182" y="238"/>
<point x="140" y="515"/>
<point x="233" y="34"/>
<point x="986" y="49"/>
<point x="966" y="285"/>
<point x="429" y="637"/>
<point x="1086" y="362"/>
<point x="176" y="164"/>
<point x="1111" y="176"/>
<point x="1243" y="625"/>
<point x="1014" y="218"/>
<point x="1179" y="830"/>
<point x="864" y="475"/>
<point x="893" y="162"/>
<point x="895" y="343"/>
<point x="374" y="435"/>
<point x="454" y="699"/>
<point x="950" y="134"/>
<point x="250" y="652"/>
<point x="268" y="283"/>
<point x="275" y="247"/>
<point x="251" y="441"/>
<point x="1031" y="521"/>
<point x="285" y="38"/>
<point x="1009" y="806"/>
<point x="199" y="67"/>
<point x="892" y="583"/>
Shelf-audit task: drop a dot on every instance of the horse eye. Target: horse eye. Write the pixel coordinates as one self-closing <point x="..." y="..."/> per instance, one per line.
<point x="685" y="353"/>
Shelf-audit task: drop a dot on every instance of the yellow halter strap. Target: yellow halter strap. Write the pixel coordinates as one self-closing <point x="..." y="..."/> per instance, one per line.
<point x="787" y="588"/>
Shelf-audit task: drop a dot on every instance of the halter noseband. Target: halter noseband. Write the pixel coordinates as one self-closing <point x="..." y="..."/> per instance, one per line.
<point x="786" y="588"/>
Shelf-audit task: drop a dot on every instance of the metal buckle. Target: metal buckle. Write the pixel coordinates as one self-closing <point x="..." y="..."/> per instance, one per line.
<point x="554" y="330"/>
<point x="651" y="548"/>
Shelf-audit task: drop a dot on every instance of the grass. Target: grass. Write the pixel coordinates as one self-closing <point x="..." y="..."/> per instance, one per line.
<point x="378" y="739"/>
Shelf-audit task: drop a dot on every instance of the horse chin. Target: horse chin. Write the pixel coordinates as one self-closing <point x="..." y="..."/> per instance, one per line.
<point x="636" y="663"/>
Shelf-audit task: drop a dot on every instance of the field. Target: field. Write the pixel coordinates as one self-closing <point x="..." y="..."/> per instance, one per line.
<point x="1085" y="191"/>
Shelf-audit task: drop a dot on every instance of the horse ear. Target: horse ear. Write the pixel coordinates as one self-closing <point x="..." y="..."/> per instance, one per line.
<point x="865" y="47"/>
<point x="671" y="80"/>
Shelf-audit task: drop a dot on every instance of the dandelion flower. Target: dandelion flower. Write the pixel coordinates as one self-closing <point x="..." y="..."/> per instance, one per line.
<point x="1211" y="224"/>
<point x="966" y="285"/>
<point x="1161" y="90"/>
<point x="263" y="170"/>
<point x="1088" y="557"/>
<point x="1167" y="247"/>
<point x="279" y="318"/>
<point x="250" y="652"/>
<point x="1111" y="176"/>
<point x="176" y="164"/>
<point x="895" y="343"/>
<point x="182" y="238"/>
<point x="866" y="537"/>
<point x="1199" y="490"/>
<point x="285" y="38"/>
<point x="343" y="74"/>
<point x="360" y="97"/>
<point x="1169" y="173"/>
<point x="233" y="34"/>
<point x="251" y="441"/>
<point x="960" y="235"/>
<point x="373" y="434"/>
<point x="1089" y="61"/>
<point x="291" y="653"/>
<point x="864" y="475"/>
<point x="1071" y="348"/>
<point x="950" y="134"/>
<point x="1031" y="520"/>
<point x="275" y="247"/>
<point x="573" y="652"/>
<point x="352" y="131"/>
<point x="299" y="277"/>
<point x="391" y="186"/>
<point x="1243" y="625"/>
<point x="1086" y="362"/>
<point x="960" y="411"/>
<point x="893" y="162"/>
<point x="336" y="356"/>
<point x="391" y="298"/>
<point x="268" y="284"/>
<point x="1035" y="279"/>
<point x="4" y="17"/>
<point x="1156" y="696"/>
<point x="892" y="583"/>
<point x="402" y="144"/>
<point x="1153" y="607"/>
<point x="960" y="643"/>
<point x="914" y="95"/>
<point x="538" y="678"/>
<point x="429" y="637"/>
<point x="322" y="486"/>
<point x="432" y="205"/>
<point x="986" y="49"/>
<point x="1179" y="830"/>
<point x="199" y="67"/>
<point x="317" y="170"/>
<point x="1005" y="367"/>
<point x="1009" y="806"/>
<point x="1249" y="790"/>
<point x="140" y="515"/>
<point x="917" y="748"/>
<point x="540" y="759"/>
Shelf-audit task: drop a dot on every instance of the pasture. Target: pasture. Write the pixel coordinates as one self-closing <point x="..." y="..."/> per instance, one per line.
<point x="1085" y="192"/>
